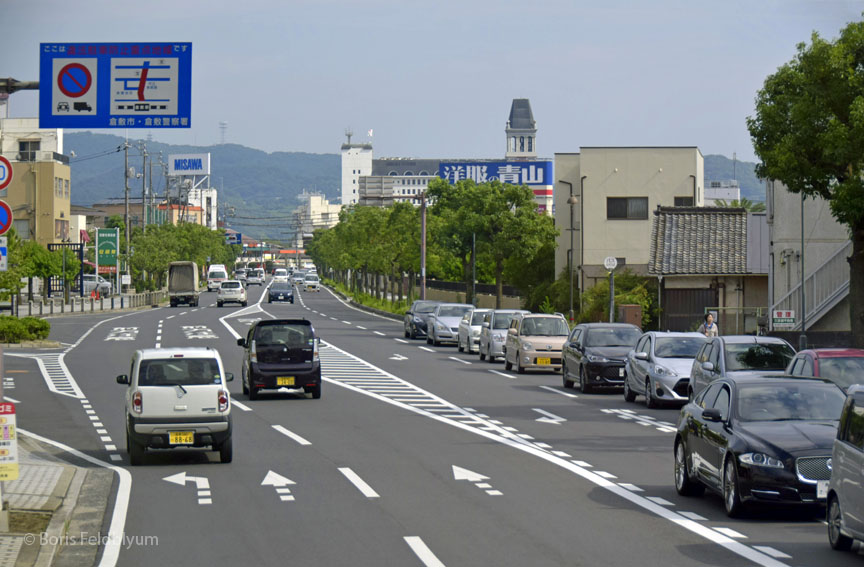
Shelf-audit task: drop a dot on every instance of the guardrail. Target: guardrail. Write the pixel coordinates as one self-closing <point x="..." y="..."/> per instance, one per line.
<point x="56" y="306"/>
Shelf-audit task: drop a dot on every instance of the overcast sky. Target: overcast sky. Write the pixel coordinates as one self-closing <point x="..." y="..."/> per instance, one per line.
<point x="436" y="78"/>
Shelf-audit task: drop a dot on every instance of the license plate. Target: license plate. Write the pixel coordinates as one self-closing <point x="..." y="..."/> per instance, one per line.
<point x="181" y="437"/>
<point x="281" y="297"/>
<point x="544" y="361"/>
<point x="621" y="372"/>
<point x="285" y="381"/>
<point x="822" y="489"/>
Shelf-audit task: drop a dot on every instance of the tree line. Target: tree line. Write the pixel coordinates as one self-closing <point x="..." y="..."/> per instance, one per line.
<point x="492" y="227"/>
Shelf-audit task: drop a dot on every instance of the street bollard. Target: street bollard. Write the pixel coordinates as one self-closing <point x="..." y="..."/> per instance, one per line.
<point x="121" y="302"/>
<point x="62" y="306"/>
<point x="101" y="304"/>
<point x="41" y="305"/>
<point x="92" y="305"/>
<point x="30" y="308"/>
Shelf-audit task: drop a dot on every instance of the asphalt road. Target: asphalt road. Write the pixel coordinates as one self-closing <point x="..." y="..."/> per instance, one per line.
<point x="414" y="455"/>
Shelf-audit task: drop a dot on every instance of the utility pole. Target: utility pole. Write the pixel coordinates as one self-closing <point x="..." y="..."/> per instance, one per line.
<point x="423" y="245"/>
<point x="150" y="177"/>
<point x="126" y="193"/>
<point x="144" y="186"/>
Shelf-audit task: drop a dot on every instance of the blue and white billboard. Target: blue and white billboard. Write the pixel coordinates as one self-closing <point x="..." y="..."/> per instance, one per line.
<point x="115" y="85"/>
<point x="189" y="164"/>
<point x="514" y="172"/>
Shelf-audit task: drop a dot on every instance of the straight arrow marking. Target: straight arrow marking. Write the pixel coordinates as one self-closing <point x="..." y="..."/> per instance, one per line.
<point x="550" y="417"/>
<point x="464" y="474"/>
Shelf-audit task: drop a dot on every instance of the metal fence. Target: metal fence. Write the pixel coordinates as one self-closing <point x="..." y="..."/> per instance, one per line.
<point x="56" y="306"/>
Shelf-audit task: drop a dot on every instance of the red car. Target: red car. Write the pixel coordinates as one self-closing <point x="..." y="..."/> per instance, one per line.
<point x="843" y="366"/>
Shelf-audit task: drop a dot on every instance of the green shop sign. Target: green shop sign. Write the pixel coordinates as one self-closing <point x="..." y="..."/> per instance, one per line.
<point x="107" y="244"/>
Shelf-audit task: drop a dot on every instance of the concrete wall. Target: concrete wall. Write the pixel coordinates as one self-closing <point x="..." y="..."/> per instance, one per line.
<point x="356" y="161"/>
<point x="483" y="300"/>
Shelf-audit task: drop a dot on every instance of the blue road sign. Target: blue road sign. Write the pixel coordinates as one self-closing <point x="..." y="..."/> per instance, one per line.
<point x="115" y="85"/>
<point x="5" y="217"/>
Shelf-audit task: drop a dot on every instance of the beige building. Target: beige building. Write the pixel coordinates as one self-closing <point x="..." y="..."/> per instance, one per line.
<point x="616" y="190"/>
<point x="40" y="191"/>
<point x="315" y="212"/>
<point x="826" y="247"/>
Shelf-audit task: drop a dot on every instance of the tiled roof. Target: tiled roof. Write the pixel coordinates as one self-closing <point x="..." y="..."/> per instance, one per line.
<point x="698" y="240"/>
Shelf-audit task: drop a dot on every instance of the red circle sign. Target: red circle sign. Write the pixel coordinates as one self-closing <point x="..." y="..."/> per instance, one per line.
<point x="74" y="80"/>
<point x="5" y="172"/>
<point x="5" y="217"/>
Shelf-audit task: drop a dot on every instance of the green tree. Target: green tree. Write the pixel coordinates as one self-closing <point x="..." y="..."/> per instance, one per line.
<point x="808" y="132"/>
<point x="629" y="289"/>
<point x="743" y="203"/>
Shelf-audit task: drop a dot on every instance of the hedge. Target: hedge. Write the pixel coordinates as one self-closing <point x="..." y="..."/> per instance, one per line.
<point x="15" y="330"/>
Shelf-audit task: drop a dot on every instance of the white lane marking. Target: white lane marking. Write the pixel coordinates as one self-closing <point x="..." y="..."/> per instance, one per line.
<point x="659" y="501"/>
<point x="292" y="435"/>
<point x="504" y="374"/>
<point x="458" y="360"/>
<point x="116" y="458"/>
<point x="549" y="417"/>
<point x="398" y="356"/>
<point x="493" y="492"/>
<point x="582" y="464"/>
<point x="427" y="349"/>
<point x="423" y="552"/>
<point x="561" y="454"/>
<point x="772" y="552"/>
<point x="348" y="322"/>
<point x="361" y="485"/>
<point x="334" y="318"/>
<point x="605" y="474"/>
<point x="634" y="488"/>
<point x="115" y="540"/>
<point x="238" y="405"/>
<point x="361" y="327"/>
<point x="184" y="313"/>
<point x="557" y="391"/>
<point x="731" y="533"/>
<point x="170" y="317"/>
<point x="693" y="516"/>
<point x="379" y="333"/>
<point x="403" y="341"/>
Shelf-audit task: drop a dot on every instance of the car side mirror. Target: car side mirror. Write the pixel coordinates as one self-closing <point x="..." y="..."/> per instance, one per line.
<point x="708" y="366"/>
<point x="641" y="356"/>
<point x="123" y="379"/>
<point x="241" y="342"/>
<point x="229" y="376"/>
<point x="711" y="414"/>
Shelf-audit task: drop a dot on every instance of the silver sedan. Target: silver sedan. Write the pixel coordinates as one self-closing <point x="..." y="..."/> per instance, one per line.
<point x="659" y="367"/>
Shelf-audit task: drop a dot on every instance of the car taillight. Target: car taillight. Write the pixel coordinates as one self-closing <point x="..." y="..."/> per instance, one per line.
<point x="137" y="402"/>
<point x="223" y="400"/>
<point x="315" y="356"/>
<point x="252" y="353"/>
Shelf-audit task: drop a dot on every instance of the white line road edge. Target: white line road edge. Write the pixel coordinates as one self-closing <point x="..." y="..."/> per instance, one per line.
<point x="291" y="435"/>
<point x="706" y="532"/>
<point x="254" y="308"/>
<point x="111" y="551"/>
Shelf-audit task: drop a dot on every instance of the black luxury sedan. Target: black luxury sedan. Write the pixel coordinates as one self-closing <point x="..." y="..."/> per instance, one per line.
<point x="280" y="291"/>
<point x="758" y="439"/>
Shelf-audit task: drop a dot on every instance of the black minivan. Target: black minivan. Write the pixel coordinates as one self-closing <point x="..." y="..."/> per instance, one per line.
<point x="281" y="353"/>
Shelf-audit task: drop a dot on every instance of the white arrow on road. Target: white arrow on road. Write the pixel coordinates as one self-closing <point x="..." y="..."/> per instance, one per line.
<point x="201" y="483"/>
<point x="280" y="483"/>
<point x="550" y="417"/>
<point x="464" y="474"/>
<point x="398" y="357"/>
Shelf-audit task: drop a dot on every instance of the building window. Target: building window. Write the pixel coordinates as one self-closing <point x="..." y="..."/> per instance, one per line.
<point x="513" y="147"/>
<point x="521" y="143"/>
<point x="66" y="185"/>
<point x="683" y="201"/>
<point x="27" y="150"/>
<point x="627" y="208"/>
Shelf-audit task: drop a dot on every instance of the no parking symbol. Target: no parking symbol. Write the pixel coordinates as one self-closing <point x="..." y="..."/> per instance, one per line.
<point x="74" y="87"/>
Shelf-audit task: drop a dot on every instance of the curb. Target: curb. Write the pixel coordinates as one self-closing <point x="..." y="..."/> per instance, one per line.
<point x="31" y="344"/>
<point x="359" y="305"/>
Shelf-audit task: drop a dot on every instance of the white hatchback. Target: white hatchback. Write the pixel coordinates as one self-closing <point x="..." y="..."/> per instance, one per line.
<point x="280" y="275"/>
<point x="177" y="398"/>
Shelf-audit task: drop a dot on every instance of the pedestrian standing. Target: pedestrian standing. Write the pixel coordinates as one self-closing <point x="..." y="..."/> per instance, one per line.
<point x="708" y="328"/>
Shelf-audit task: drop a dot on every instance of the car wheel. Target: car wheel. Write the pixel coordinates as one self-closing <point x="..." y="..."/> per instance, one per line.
<point x="583" y="381"/>
<point x="245" y="303"/>
<point x="629" y="395"/>
<point x="218" y="304"/>
<point x="428" y="340"/>
<point x="519" y="369"/>
<point x="136" y="451"/>
<point x="253" y="393"/>
<point x="459" y="346"/>
<point x="836" y="538"/>
<point x="226" y="451"/>
<point x="315" y="391"/>
<point x="731" y="493"/>
<point x="490" y="358"/>
<point x="507" y="364"/>
<point x="407" y="334"/>
<point x="413" y="334"/>
<point x="650" y="401"/>
<point x="685" y="484"/>
<point x="482" y="356"/>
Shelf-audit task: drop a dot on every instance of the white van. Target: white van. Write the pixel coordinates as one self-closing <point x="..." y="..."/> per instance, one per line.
<point x="216" y="274"/>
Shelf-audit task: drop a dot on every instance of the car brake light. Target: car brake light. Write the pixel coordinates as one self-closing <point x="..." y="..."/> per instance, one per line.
<point x="223" y="400"/>
<point x="252" y="353"/>
<point x="137" y="402"/>
<point x="315" y="356"/>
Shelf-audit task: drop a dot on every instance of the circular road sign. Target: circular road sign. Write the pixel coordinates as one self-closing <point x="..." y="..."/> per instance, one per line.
<point x="610" y="263"/>
<point x="5" y="173"/>
<point x="5" y="217"/>
<point x="74" y="80"/>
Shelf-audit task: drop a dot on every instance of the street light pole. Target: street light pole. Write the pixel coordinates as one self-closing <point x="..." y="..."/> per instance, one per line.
<point x="582" y="240"/>
<point x="570" y="201"/>
<point x="144" y="187"/>
<point x="802" y="339"/>
<point x="126" y="193"/>
<point x="423" y="245"/>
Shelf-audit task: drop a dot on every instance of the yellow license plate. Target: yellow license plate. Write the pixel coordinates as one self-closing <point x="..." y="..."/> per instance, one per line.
<point x="285" y="381"/>
<point x="544" y="361"/>
<point x="181" y="437"/>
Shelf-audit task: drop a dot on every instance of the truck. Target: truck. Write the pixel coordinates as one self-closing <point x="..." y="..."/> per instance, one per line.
<point x="183" y="283"/>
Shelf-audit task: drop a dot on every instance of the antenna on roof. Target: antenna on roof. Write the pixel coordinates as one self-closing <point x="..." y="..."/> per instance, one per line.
<point x="348" y="134"/>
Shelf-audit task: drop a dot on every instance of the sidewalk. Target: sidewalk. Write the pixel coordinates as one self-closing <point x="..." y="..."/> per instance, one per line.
<point x="54" y="506"/>
<point x="55" y="306"/>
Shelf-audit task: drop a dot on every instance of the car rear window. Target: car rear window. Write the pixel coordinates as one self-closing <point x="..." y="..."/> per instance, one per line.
<point x="292" y="335"/>
<point x="842" y="371"/>
<point x="179" y="372"/>
<point x="453" y="311"/>
<point x="425" y="307"/>
<point x="502" y="320"/>
<point x="230" y="285"/>
<point x="751" y="356"/>
<point x="214" y="275"/>
<point x="477" y="318"/>
<point x="279" y="286"/>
